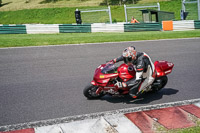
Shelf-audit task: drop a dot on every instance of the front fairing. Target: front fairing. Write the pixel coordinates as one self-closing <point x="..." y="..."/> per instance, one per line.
<point x="104" y="73"/>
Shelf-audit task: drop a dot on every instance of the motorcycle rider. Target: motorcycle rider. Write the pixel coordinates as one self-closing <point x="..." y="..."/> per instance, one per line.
<point x="145" y="71"/>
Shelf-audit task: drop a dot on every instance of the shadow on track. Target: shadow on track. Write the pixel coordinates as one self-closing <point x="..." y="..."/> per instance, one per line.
<point x="146" y="98"/>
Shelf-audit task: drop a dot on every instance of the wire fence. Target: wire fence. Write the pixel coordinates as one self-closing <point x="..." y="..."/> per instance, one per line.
<point x="132" y="10"/>
<point x="193" y="9"/>
<point x="98" y="15"/>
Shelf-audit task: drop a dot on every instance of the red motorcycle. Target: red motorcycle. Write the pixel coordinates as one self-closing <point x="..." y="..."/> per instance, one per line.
<point x="106" y="75"/>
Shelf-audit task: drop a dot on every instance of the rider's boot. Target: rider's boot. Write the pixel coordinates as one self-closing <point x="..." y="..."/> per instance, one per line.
<point x="133" y="92"/>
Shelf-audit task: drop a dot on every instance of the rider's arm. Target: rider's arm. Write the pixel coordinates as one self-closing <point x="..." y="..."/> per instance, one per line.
<point x="118" y="59"/>
<point x="139" y="70"/>
<point x="137" y="21"/>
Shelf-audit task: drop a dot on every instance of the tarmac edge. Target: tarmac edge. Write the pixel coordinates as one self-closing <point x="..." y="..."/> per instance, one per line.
<point x="94" y="115"/>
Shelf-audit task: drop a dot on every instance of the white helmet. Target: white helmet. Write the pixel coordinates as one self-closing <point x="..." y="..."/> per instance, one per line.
<point x="129" y="54"/>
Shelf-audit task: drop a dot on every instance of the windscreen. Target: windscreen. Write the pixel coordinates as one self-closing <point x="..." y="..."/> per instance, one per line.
<point x="110" y="68"/>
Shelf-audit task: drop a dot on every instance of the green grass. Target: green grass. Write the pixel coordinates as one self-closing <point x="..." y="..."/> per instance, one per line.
<point x="187" y="130"/>
<point x="44" y="16"/>
<point x="195" y="129"/>
<point x="193" y="11"/>
<point x="58" y="15"/>
<point x="13" y="5"/>
<point x="66" y="15"/>
<point x="172" y="6"/>
<point x="20" y="40"/>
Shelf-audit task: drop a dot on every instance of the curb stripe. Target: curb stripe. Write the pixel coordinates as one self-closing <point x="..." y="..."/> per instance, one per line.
<point x="192" y="109"/>
<point x="142" y="121"/>
<point x="30" y="130"/>
<point x="171" y="118"/>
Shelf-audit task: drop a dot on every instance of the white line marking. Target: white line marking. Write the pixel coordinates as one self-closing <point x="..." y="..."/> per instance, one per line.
<point x="63" y="45"/>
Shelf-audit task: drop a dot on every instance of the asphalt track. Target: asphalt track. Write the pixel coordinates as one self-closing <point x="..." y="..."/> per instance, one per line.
<point x="40" y="83"/>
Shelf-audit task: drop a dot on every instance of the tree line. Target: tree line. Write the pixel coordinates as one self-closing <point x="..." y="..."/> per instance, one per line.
<point x="105" y="2"/>
<point x="118" y="2"/>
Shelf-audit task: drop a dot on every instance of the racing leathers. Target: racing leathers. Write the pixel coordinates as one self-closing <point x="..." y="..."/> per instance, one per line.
<point x="145" y="74"/>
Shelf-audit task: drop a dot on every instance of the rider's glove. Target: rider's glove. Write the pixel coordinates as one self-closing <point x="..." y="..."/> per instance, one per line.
<point x="120" y="84"/>
<point x="110" y="62"/>
<point x="114" y="60"/>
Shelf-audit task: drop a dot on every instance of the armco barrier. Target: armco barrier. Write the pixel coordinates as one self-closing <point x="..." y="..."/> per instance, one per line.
<point x="142" y="27"/>
<point x="167" y="25"/>
<point x="197" y="24"/>
<point x="12" y="29"/>
<point x="183" y="25"/>
<point x="101" y="27"/>
<point x="69" y="28"/>
<point x="42" y="28"/>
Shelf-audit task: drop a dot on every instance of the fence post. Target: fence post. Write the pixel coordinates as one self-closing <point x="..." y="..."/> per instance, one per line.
<point x="125" y="13"/>
<point x="158" y="6"/>
<point x="198" y="9"/>
<point x="183" y="5"/>
<point x="110" y="17"/>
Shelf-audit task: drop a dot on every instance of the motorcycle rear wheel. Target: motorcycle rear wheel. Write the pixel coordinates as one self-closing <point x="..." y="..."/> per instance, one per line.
<point x="164" y="81"/>
<point x="90" y="92"/>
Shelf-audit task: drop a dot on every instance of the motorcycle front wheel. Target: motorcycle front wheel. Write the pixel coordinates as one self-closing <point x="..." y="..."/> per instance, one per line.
<point x="90" y="92"/>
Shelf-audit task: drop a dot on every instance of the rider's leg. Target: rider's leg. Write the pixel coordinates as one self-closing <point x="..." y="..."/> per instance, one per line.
<point x="136" y="90"/>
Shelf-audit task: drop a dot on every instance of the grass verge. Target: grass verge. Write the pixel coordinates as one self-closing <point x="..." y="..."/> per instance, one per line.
<point x="21" y="40"/>
<point x="195" y="129"/>
<point x="65" y="15"/>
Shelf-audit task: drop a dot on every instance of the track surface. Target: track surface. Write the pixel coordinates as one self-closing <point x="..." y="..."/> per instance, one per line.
<point x="40" y="83"/>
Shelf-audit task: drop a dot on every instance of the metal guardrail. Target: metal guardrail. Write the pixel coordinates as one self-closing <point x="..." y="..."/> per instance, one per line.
<point x="96" y="27"/>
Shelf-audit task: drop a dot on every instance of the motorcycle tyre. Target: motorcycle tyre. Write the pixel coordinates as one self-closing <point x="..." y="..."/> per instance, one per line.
<point x="87" y="92"/>
<point x="164" y="82"/>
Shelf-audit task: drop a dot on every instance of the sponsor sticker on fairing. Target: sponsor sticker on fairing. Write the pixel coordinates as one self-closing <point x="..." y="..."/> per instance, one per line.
<point x="167" y="71"/>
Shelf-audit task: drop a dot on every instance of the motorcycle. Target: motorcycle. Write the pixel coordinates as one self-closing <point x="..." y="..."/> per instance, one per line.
<point x="106" y="75"/>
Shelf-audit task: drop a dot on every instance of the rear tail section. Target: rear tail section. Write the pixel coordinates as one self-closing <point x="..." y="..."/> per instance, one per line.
<point x="163" y="68"/>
